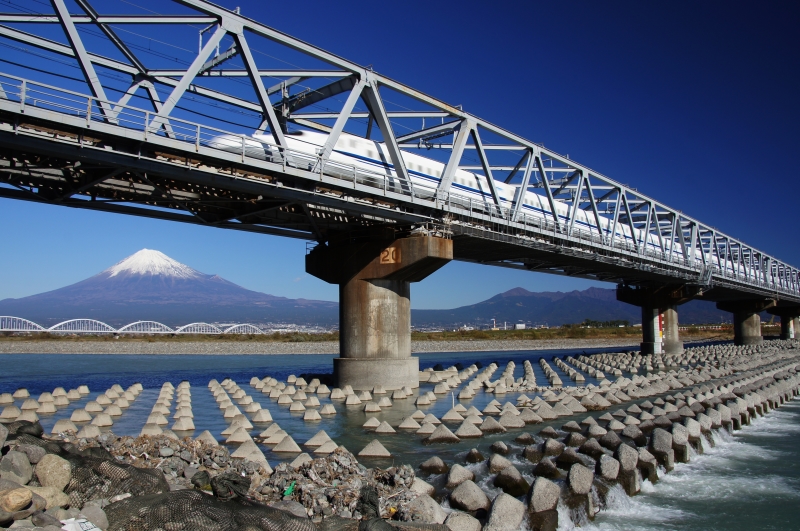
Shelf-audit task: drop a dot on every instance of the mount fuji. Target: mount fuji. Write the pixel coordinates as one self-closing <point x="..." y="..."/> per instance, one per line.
<point x="149" y="285"/>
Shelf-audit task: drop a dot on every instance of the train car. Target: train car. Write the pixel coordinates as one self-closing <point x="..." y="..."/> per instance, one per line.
<point x="355" y="154"/>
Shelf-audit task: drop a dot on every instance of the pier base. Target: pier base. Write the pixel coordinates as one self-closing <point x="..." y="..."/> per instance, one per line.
<point x="746" y="319"/>
<point x="660" y="333"/>
<point x="374" y="274"/>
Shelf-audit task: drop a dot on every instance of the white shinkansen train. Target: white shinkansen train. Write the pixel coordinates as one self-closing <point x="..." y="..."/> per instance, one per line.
<point x="372" y="157"/>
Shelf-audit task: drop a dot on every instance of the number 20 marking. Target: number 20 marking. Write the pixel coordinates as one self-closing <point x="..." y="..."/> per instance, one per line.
<point x="390" y="255"/>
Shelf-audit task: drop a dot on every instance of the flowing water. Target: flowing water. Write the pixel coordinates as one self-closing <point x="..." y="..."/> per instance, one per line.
<point x="746" y="481"/>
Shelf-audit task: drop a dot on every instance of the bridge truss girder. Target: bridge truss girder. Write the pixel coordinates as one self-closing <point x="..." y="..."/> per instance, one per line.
<point x="430" y="127"/>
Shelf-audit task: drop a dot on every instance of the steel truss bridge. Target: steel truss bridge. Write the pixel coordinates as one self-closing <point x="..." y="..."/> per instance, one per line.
<point x="116" y="126"/>
<point x="92" y="326"/>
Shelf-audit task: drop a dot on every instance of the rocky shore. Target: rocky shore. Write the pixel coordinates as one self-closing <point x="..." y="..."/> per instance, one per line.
<point x="646" y="414"/>
<point x="262" y="348"/>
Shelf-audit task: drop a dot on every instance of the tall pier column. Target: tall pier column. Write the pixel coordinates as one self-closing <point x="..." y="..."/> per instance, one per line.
<point x="374" y="278"/>
<point x="790" y="319"/>
<point x="746" y="319"/>
<point x="659" y="306"/>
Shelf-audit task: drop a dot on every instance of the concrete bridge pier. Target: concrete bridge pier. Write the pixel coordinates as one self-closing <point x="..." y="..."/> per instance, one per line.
<point x="659" y="306"/>
<point x="746" y="319"/>
<point x="790" y="320"/>
<point x="374" y="274"/>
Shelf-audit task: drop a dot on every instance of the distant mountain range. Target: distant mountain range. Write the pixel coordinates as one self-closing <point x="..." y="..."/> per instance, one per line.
<point x="555" y="308"/>
<point x="151" y="286"/>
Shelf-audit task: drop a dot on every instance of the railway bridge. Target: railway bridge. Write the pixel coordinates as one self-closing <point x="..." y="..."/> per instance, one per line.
<point x="390" y="183"/>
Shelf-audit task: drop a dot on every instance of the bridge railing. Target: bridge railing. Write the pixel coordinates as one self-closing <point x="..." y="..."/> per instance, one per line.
<point x="149" y="126"/>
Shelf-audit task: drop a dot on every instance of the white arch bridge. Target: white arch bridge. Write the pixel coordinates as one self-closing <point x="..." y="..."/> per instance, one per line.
<point x="92" y="326"/>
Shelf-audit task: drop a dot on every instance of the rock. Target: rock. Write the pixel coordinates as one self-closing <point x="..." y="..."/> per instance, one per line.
<point x="166" y="451"/>
<point x="511" y="420"/>
<point x="552" y="447"/>
<point x="52" y="496"/>
<point x="34" y="453"/>
<point x="489" y="425"/>
<point x="627" y="457"/>
<point x="474" y="456"/>
<point x="421" y="486"/>
<point x="46" y="521"/>
<point x="648" y="465"/>
<point x="610" y="440"/>
<point x="580" y="479"/>
<point x="591" y="448"/>
<point x="680" y="435"/>
<point x="468" y="430"/>
<point x="548" y="433"/>
<point x="506" y="514"/>
<point x="425" y="509"/>
<point x="469" y="497"/>
<point x="635" y="434"/>
<point x="207" y="438"/>
<point x="660" y="442"/>
<point x="300" y="460"/>
<point x="441" y="435"/>
<point x="458" y="475"/>
<point x="543" y="521"/>
<point x="3" y="435"/>
<point x="661" y="448"/>
<point x="546" y="468"/>
<point x="607" y="468"/>
<point x="15" y="467"/>
<point x="511" y="481"/>
<point x="533" y="453"/>
<point x="15" y="500"/>
<point x="288" y="446"/>
<point x="434" y="465"/>
<point x="374" y="449"/>
<point x="497" y="463"/>
<point x="525" y="439"/>
<point x="95" y="515"/>
<point x="499" y="447"/>
<point x="596" y="431"/>
<point x="458" y="521"/>
<point x="568" y="458"/>
<point x="543" y="495"/>
<point x="575" y="440"/>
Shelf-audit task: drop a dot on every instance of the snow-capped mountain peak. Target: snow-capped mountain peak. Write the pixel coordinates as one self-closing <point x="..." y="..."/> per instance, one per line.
<point x="152" y="263"/>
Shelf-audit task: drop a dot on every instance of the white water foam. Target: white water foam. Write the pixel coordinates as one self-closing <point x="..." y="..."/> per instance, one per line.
<point x="719" y="473"/>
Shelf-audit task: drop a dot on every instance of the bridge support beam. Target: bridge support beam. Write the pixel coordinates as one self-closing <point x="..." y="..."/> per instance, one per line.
<point x="659" y="306"/>
<point x="746" y="319"/>
<point x="790" y="320"/>
<point x="374" y="278"/>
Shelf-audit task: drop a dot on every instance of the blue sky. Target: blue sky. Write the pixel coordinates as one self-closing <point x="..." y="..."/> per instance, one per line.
<point x="695" y="104"/>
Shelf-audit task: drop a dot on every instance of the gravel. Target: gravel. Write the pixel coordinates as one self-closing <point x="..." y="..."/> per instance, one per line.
<point x="321" y="347"/>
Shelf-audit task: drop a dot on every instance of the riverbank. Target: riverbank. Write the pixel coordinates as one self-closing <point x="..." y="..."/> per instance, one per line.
<point x="222" y="348"/>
